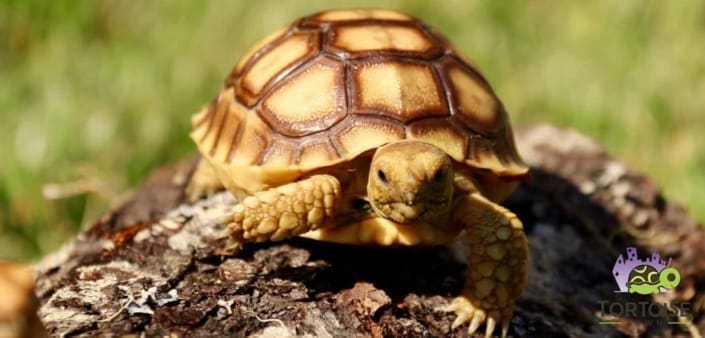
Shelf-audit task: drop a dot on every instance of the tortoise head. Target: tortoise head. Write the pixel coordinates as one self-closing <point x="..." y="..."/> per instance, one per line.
<point x="410" y="182"/>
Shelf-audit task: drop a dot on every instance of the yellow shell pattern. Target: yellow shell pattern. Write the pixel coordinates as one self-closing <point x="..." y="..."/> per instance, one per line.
<point x="337" y="84"/>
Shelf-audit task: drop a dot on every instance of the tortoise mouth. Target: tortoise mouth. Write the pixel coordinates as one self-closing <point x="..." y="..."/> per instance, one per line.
<point x="409" y="213"/>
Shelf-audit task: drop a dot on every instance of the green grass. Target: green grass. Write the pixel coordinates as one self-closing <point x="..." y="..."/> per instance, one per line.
<point x="93" y="94"/>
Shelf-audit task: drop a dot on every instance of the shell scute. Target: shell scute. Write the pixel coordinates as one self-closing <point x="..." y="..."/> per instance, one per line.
<point x="402" y="91"/>
<point x="443" y="134"/>
<point x="253" y="142"/>
<point x="358" y="14"/>
<point x="281" y="153"/>
<point x="476" y="105"/>
<point x="358" y="40"/>
<point x="271" y="64"/>
<point x="252" y="54"/>
<point x="363" y="134"/>
<point x="308" y="102"/>
<point x="314" y="154"/>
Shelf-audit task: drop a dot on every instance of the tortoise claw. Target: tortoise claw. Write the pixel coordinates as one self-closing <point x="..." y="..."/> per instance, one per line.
<point x="505" y="327"/>
<point x="490" y="326"/>
<point x="460" y="319"/>
<point x="476" y="316"/>
<point x="475" y="323"/>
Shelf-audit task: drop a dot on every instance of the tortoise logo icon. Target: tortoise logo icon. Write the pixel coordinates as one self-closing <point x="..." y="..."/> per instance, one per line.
<point x="647" y="276"/>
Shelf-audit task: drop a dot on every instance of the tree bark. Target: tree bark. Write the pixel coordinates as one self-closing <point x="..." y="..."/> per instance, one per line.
<point x="155" y="265"/>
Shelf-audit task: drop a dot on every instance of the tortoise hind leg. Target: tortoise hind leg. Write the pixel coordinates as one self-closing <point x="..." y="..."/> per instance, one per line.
<point x="497" y="268"/>
<point x="285" y="211"/>
<point x="204" y="182"/>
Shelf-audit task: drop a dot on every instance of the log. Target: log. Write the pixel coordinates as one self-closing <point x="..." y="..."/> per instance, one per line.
<point x="156" y="266"/>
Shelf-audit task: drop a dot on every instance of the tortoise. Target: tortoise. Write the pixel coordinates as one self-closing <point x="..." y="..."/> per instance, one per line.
<point x="367" y="127"/>
<point x="645" y="279"/>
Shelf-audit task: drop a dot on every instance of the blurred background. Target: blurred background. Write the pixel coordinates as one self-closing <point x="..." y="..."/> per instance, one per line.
<point x="94" y="94"/>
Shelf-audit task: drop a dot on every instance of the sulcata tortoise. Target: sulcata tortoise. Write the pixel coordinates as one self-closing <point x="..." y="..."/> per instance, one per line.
<point x="367" y="127"/>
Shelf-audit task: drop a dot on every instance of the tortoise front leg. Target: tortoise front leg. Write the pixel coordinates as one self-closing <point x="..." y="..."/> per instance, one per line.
<point x="285" y="211"/>
<point x="497" y="267"/>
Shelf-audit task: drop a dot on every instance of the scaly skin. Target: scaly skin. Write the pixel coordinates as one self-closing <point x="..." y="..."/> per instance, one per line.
<point x="285" y="211"/>
<point x="497" y="266"/>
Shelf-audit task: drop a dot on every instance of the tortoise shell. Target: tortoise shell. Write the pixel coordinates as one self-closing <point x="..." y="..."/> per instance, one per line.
<point x="334" y="85"/>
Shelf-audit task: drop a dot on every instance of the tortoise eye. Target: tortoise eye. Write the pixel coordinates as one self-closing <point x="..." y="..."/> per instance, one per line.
<point x="382" y="177"/>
